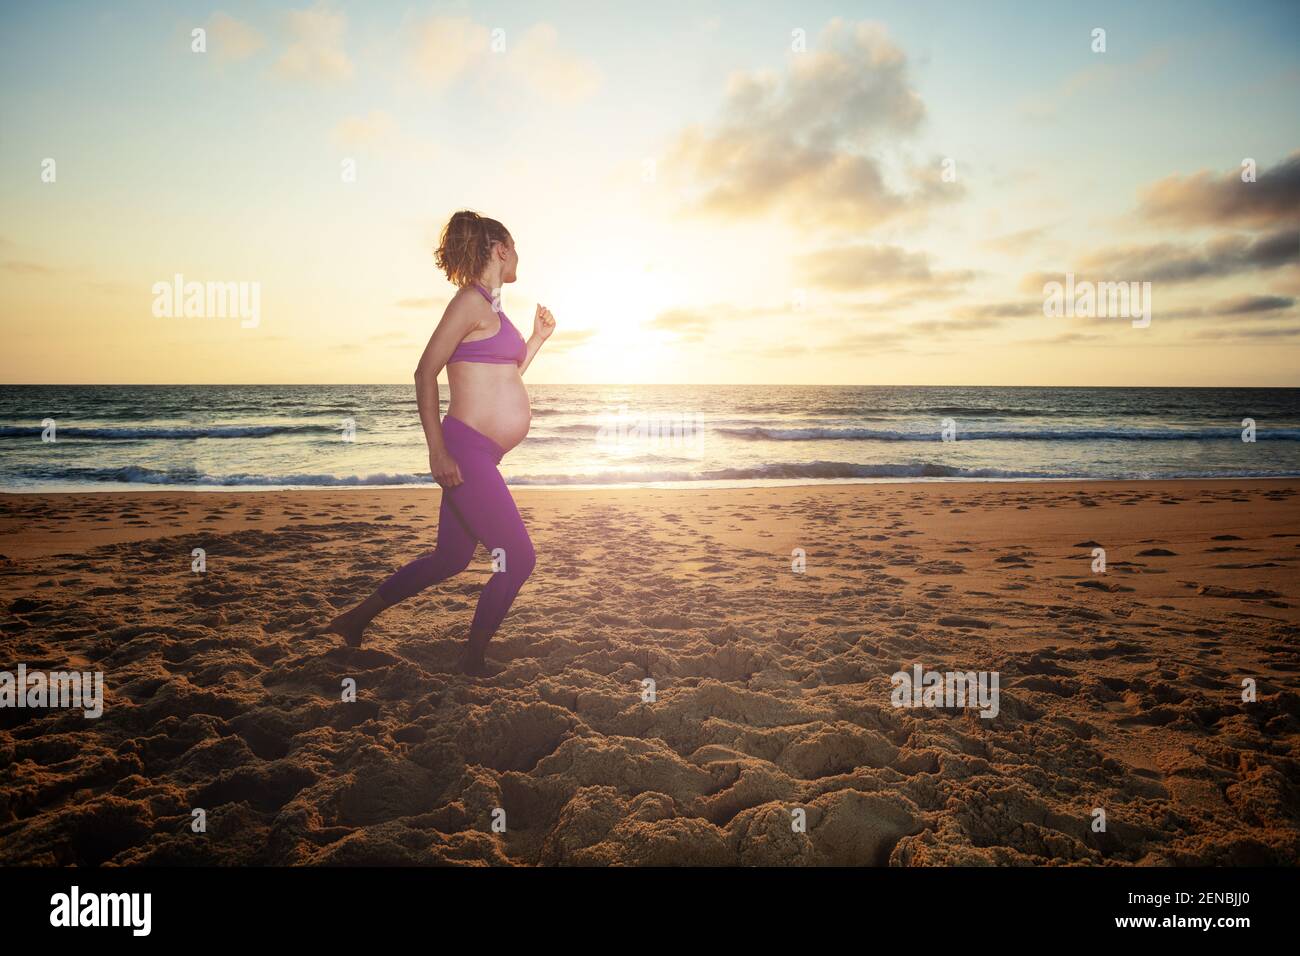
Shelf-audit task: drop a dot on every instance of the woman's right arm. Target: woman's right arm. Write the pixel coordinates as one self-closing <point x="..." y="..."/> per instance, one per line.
<point x="457" y="322"/>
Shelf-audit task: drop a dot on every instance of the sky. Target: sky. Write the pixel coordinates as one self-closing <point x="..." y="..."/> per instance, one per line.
<point x="784" y="193"/>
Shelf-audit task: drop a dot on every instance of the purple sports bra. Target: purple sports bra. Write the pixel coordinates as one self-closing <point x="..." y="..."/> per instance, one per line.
<point x="504" y="347"/>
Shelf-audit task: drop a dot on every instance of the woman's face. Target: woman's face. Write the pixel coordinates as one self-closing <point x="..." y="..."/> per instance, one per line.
<point x="511" y="261"/>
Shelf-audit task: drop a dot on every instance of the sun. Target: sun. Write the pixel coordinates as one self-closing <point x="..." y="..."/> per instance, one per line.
<point x="612" y="310"/>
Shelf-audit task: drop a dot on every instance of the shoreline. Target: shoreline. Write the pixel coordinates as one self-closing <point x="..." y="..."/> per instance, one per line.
<point x="721" y="485"/>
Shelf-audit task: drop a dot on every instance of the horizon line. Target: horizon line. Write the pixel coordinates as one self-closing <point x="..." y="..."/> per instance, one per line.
<point x="606" y="385"/>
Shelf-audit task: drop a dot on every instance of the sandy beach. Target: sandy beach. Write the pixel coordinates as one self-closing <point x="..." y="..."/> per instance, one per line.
<point x="1119" y="691"/>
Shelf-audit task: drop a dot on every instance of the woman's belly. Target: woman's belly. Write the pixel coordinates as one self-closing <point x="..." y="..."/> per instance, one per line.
<point x="490" y="399"/>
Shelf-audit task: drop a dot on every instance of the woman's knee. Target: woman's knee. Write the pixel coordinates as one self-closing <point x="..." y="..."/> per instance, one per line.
<point x="453" y="559"/>
<point x="521" y="558"/>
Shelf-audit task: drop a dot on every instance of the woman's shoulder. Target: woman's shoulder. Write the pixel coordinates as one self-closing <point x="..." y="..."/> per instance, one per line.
<point x="467" y="306"/>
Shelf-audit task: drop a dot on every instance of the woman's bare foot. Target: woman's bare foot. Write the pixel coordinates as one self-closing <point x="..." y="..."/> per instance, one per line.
<point x="474" y="668"/>
<point x="471" y="658"/>
<point x="351" y="624"/>
<point x="348" y="625"/>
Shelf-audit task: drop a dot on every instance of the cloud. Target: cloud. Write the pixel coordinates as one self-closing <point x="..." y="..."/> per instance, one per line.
<point x="1065" y="338"/>
<point x="943" y="326"/>
<point x="1221" y="256"/>
<point x="1199" y="200"/>
<point x="1015" y="243"/>
<point x="690" y="324"/>
<point x="65" y="275"/>
<point x="316" y="52"/>
<point x="870" y="266"/>
<point x="1100" y="76"/>
<point x="1261" y="332"/>
<point x="804" y="143"/>
<point x="1248" y="304"/>
<point x="1204" y="199"/>
<point x="27" y="268"/>
<point x="232" y="39"/>
<point x="865" y="343"/>
<point x="378" y="130"/>
<point x="1253" y="305"/>
<point x="908" y="298"/>
<point x="569" y="339"/>
<point x="975" y="318"/>
<point x="377" y="127"/>
<point x="559" y="75"/>
<point x="447" y="49"/>
<point x="1000" y="310"/>
<point x="1180" y="262"/>
<point x="395" y="337"/>
<point x="111" y="287"/>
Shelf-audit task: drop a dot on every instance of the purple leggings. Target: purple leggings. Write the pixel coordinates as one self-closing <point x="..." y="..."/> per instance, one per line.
<point x="480" y="508"/>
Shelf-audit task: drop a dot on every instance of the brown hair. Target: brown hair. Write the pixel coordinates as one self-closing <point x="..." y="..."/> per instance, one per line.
<point x="466" y="245"/>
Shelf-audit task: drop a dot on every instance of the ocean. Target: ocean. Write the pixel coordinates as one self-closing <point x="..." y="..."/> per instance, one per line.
<point x="286" y="436"/>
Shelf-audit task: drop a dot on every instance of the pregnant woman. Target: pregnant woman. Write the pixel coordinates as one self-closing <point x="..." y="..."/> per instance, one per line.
<point x="487" y="415"/>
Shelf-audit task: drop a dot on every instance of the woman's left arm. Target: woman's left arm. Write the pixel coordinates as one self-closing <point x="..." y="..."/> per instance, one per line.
<point x="543" y="326"/>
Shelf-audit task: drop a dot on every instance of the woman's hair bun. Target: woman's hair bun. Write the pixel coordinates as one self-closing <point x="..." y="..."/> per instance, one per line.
<point x="465" y="245"/>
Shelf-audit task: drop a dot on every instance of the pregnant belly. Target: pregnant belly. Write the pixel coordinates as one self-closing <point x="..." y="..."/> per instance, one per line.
<point x="490" y="399"/>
